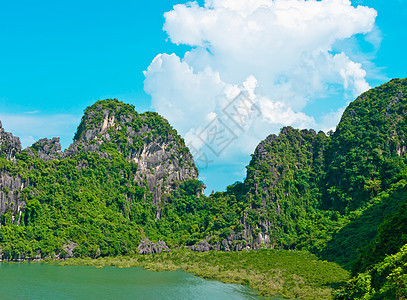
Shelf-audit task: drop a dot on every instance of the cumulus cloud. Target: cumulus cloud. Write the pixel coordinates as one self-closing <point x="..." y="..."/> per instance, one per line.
<point x="331" y="119"/>
<point x="278" y="54"/>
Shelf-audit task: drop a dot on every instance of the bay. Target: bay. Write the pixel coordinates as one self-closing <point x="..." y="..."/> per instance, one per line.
<point x="47" y="281"/>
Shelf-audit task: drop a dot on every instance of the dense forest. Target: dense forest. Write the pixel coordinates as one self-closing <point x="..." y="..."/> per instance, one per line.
<point x="129" y="176"/>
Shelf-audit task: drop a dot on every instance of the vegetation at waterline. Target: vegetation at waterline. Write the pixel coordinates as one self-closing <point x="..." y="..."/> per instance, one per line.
<point x="290" y="274"/>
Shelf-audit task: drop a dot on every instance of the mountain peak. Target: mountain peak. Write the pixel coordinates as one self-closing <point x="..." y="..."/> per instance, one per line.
<point x="101" y="116"/>
<point x="111" y="127"/>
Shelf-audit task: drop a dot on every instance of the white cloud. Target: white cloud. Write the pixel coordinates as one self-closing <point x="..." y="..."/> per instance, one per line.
<point x="330" y="120"/>
<point x="276" y="52"/>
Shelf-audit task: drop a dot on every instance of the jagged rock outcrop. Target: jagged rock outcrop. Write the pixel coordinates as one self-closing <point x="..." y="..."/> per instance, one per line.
<point x="148" y="247"/>
<point x="202" y="246"/>
<point x="46" y="149"/>
<point x="10" y="195"/>
<point x="68" y="249"/>
<point x="291" y="150"/>
<point x="9" y="144"/>
<point x="284" y="169"/>
<point x="146" y="139"/>
<point x="10" y="185"/>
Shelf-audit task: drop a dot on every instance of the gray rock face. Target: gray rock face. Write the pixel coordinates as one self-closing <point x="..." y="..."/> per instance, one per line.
<point x="148" y="247"/>
<point x="10" y="186"/>
<point x="202" y="246"/>
<point x="10" y="191"/>
<point x="68" y="248"/>
<point x="235" y="242"/>
<point x="9" y="144"/>
<point x="46" y="149"/>
<point x="159" y="166"/>
<point x="161" y="161"/>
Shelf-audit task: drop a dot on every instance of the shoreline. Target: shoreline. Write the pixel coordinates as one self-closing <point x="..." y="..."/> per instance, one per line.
<point x="269" y="273"/>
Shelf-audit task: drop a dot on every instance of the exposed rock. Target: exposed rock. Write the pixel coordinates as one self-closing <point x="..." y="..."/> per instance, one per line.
<point x="68" y="248"/>
<point x="10" y="200"/>
<point x="159" y="165"/>
<point x="201" y="191"/>
<point x="162" y="159"/>
<point x="45" y="149"/>
<point x="11" y="186"/>
<point x="148" y="247"/>
<point x="9" y="144"/>
<point x="202" y="246"/>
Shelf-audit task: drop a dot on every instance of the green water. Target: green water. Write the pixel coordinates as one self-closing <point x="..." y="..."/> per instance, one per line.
<point x="42" y="281"/>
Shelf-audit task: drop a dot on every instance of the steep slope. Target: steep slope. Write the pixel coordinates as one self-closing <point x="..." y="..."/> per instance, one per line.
<point x="368" y="148"/>
<point x="362" y="226"/>
<point x="146" y="139"/>
<point x="101" y="196"/>
<point x="306" y="185"/>
<point x="112" y="127"/>
<point x="282" y="183"/>
<point x="386" y="279"/>
<point x="11" y="182"/>
<point x="380" y="272"/>
<point x="9" y="144"/>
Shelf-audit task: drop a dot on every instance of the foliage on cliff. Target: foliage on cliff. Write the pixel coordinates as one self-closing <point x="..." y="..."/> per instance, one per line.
<point x="368" y="148"/>
<point x="283" y="188"/>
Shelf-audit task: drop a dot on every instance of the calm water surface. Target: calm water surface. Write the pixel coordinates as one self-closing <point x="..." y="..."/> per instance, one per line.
<point x="41" y="281"/>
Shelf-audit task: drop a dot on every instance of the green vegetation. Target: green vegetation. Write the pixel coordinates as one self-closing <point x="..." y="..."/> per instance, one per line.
<point x="341" y="196"/>
<point x="384" y="280"/>
<point x="366" y="152"/>
<point x="362" y="226"/>
<point x="286" y="273"/>
<point x="65" y="203"/>
<point x="283" y="188"/>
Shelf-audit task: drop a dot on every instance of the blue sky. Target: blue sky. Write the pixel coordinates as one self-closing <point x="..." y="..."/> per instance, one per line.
<point x="56" y="58"/>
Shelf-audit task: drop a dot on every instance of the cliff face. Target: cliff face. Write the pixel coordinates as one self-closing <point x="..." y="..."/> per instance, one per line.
<point x="291" y="156"/>
<point x="11" y="201"/>
<point x="10" y="185"/>
<point x="45" y="149"/>
<point x="9" y="144"/>
<point x="282" y="176"/>
<point x="146" y="139"/>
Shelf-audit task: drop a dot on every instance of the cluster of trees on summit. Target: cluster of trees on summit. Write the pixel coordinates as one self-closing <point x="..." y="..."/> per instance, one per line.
<point x="341" y="196"/>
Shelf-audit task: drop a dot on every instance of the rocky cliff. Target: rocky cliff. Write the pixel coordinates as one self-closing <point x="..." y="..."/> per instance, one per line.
<point x="295" y="174"/>
<point x="9" y="144"/>
<point x="11" y="184"/>
<point x="146" y="139"/>
<point x="46" y="149"/>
